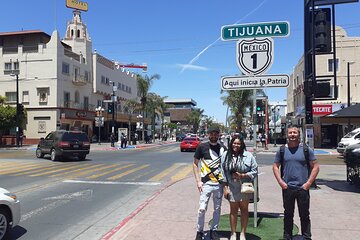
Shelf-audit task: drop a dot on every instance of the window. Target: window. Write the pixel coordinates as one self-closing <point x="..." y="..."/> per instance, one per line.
<point x="129" y="89"/>
<point x="100" y="103"/>
<point x="76" y="73"/>
<point x="66" y="99"/>
<point x="25" y="96"/>
<point x="16" y="65"/>
<point x="43" y="95"/>
<point x="10" y="96"/>
<point x="8" y="66"/>
<point x="102" y="79"/>
<point x="65" y="68"/>
<point x="86" y="103"/>
<point x="107" y="81"/>
<point x="77" y="97"/>
<point x="331" y="65"/>
<point x="78" y="33"/>
<point x="87" y="76"/>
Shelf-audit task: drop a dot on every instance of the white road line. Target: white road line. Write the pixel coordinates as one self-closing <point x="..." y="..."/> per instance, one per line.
<point x="43" y="209"/>
<point x="113" y="183"/>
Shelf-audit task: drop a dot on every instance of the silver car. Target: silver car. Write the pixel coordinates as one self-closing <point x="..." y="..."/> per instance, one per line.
<point x="9" y="212"/>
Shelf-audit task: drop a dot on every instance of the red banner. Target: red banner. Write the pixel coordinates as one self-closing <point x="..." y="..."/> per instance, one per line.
<point x="322" y="109"/>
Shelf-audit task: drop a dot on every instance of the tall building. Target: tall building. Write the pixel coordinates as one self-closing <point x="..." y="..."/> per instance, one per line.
<point x="62" y="81"/>
<point x="347" y="58"/>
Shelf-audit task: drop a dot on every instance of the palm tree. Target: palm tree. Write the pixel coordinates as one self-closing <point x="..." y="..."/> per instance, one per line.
<point x="207" y="121"/>
<point x="153" y="107"/>
<point x="194" y="118"/>
<point x="130" y="106"/>
<point x="144" y="83"/>
<point x="238" y="101"/>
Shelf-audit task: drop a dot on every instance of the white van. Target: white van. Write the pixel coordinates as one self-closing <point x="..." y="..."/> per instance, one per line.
<point x="351" y="138"/>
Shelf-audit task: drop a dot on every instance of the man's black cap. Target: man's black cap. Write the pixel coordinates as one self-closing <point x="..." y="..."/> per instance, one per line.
<point x="213" y="129"/>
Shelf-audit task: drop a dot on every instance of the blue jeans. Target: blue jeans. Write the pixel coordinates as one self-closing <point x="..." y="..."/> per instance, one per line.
<point x="217" y="192"/>
<point x="302" y="197"/>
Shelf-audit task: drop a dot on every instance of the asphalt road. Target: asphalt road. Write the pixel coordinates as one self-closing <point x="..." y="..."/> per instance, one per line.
<point x="86" y="199"/>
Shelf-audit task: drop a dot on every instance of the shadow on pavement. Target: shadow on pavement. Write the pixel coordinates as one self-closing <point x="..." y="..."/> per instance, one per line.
<point x="339" y="185"/>
<point x="17" y="232"/>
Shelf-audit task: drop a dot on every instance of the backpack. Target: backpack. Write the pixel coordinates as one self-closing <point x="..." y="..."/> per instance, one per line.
<point x="306" y="154"/>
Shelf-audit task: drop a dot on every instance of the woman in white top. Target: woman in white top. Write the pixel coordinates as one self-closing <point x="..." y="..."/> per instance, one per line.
<point x="238" y="166"/>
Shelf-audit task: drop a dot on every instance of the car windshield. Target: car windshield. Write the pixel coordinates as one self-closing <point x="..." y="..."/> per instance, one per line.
<point x="189" y="139"/>
<point x="75" y="136"/>
<point x="351" y="134"/>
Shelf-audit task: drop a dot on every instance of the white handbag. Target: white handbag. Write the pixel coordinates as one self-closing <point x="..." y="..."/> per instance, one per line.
<point x="247" y="187"/>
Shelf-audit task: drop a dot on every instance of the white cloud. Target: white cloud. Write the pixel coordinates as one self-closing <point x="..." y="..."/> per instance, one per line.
<point x="192" y="67"/>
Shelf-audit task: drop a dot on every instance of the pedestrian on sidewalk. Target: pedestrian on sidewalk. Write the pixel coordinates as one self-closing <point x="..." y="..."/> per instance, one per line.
<point x="295" y="178"/>
<point x="123" y="140"/>
<point x="238" y="166"/>
<point x="112" y="139"/>
<point x="208" y="154"/>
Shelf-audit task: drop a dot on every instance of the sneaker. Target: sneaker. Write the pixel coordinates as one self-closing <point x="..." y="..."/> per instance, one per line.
<point x="233" y="236"/>
<point x="214" y="235"/>
<point x="199" y="236"/>
<point x="242" y="236"/>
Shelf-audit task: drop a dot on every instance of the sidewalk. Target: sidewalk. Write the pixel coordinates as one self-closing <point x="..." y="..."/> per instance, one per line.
<point x="171" y="212"/>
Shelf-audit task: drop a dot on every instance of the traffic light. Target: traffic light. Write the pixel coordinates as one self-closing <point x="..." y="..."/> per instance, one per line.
<point x="21" y="109"/>
<point x="110" y="107"/>
<point x="322" y="30"/>
<point x="259" y="106"/>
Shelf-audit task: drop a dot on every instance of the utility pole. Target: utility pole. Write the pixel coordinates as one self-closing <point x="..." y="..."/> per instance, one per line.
<point x="113" y="99"/>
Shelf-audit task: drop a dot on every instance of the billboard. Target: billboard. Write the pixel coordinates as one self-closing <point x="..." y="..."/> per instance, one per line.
<point x="74" y="4"/>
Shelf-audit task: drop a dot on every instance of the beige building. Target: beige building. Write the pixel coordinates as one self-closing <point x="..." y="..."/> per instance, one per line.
<point x="347" y="53"/>
<point x="62" y="81"/>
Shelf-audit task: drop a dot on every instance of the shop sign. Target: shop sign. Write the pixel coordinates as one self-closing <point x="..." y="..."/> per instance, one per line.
<point x="74" y="4"/>
<point x="325" y="109"/>
<point x="81" y="114"/>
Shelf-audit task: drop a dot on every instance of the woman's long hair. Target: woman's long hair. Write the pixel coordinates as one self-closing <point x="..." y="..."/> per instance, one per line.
<point x="227" y="166"/>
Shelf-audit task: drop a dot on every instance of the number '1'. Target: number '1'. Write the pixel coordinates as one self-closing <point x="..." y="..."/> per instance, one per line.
<point x="254" y="58"/>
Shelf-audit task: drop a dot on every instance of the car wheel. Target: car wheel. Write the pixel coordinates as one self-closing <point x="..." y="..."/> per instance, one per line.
<point x="181" y="149"/>
<point x="4" y="223"/>
<point x="39" y="153"/>
<point x="53" y="155"/>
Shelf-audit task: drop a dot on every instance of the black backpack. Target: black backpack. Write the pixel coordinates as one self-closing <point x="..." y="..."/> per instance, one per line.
<point x="306" y="154"/>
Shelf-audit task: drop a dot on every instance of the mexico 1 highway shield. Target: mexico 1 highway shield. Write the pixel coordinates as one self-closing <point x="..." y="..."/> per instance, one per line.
<point x="255" y="56"/>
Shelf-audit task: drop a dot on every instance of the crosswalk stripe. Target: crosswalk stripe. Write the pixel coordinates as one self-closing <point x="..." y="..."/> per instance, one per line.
<point x="182" y="174"/>
<point x="10" y="166"/>
<point x="91" y="170"/>
<point x="127" y="172"/>
<point x="20" y="169"/>
<point x="40" y="169"/>
<point x="162" y="174"/>
<point x="77" y="170"/>
<point x="58" y="169"/>
<point x="110" y="171"/>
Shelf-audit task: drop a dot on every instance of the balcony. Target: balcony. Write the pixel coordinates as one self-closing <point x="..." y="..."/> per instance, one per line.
<point x="75" y="105"/>
<point x="79" y="80"/>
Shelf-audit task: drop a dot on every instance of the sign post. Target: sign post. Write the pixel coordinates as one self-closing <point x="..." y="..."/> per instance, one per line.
<point x="254" y="56"/>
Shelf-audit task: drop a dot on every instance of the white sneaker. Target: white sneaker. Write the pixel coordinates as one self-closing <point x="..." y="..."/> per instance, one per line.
<point x="233" y="236"/>
<point x="242" y="236"/>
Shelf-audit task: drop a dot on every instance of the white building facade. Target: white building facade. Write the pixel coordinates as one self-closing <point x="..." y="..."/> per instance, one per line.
<point x="61" y="82"/>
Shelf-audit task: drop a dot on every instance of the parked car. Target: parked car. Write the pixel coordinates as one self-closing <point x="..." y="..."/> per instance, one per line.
<point x="180" y="137"/>
<point x="352" y="159"/>
<point x="351" y="138"/>
<point x="64" y="144"/>
<point x="189" y="143"/>
<point x="9" y="213"/>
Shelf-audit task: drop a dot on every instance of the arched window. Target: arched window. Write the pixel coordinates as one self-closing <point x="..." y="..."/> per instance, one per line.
<point x="78" y="33"/>
<point x="72" y="32"/>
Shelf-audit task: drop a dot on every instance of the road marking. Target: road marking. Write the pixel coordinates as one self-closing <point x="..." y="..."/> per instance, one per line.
<point x="127" y="172"/>
<point x="85" y="194"/>
<point x="38" y="211"/>
<point x="77" y="170"/>
<point x="20" y="169"/>
<point x="56" y="170"/>
<point x="40" y="169"/>
<point x="113" y="183"/>
<point x="164" y="173"/>
<point x="92" y="170"/>
<point x="183" y="173"/>
<point x="110" y="171"/>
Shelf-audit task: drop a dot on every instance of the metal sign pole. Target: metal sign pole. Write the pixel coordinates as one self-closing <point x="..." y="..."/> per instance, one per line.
<point x="254" y="153"/>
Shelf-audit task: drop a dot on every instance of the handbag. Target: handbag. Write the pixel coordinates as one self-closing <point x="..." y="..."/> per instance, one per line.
<point x="247" y="187"/>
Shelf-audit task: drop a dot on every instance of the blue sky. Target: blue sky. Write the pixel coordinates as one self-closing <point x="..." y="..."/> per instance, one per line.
<point x="168" y="34"/>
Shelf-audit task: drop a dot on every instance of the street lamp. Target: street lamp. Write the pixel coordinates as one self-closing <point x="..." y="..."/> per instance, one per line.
<point x="15" y="72"/>
<point x="348" y="90"/>
<point x="113" y="99"/>
<point x="99" y="120"/>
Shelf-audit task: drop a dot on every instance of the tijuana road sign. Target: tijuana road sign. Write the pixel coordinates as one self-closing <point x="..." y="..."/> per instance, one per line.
<point x="254" y="56"/>
<point x="254" y="30"/>
<point x="254" y="82"/>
